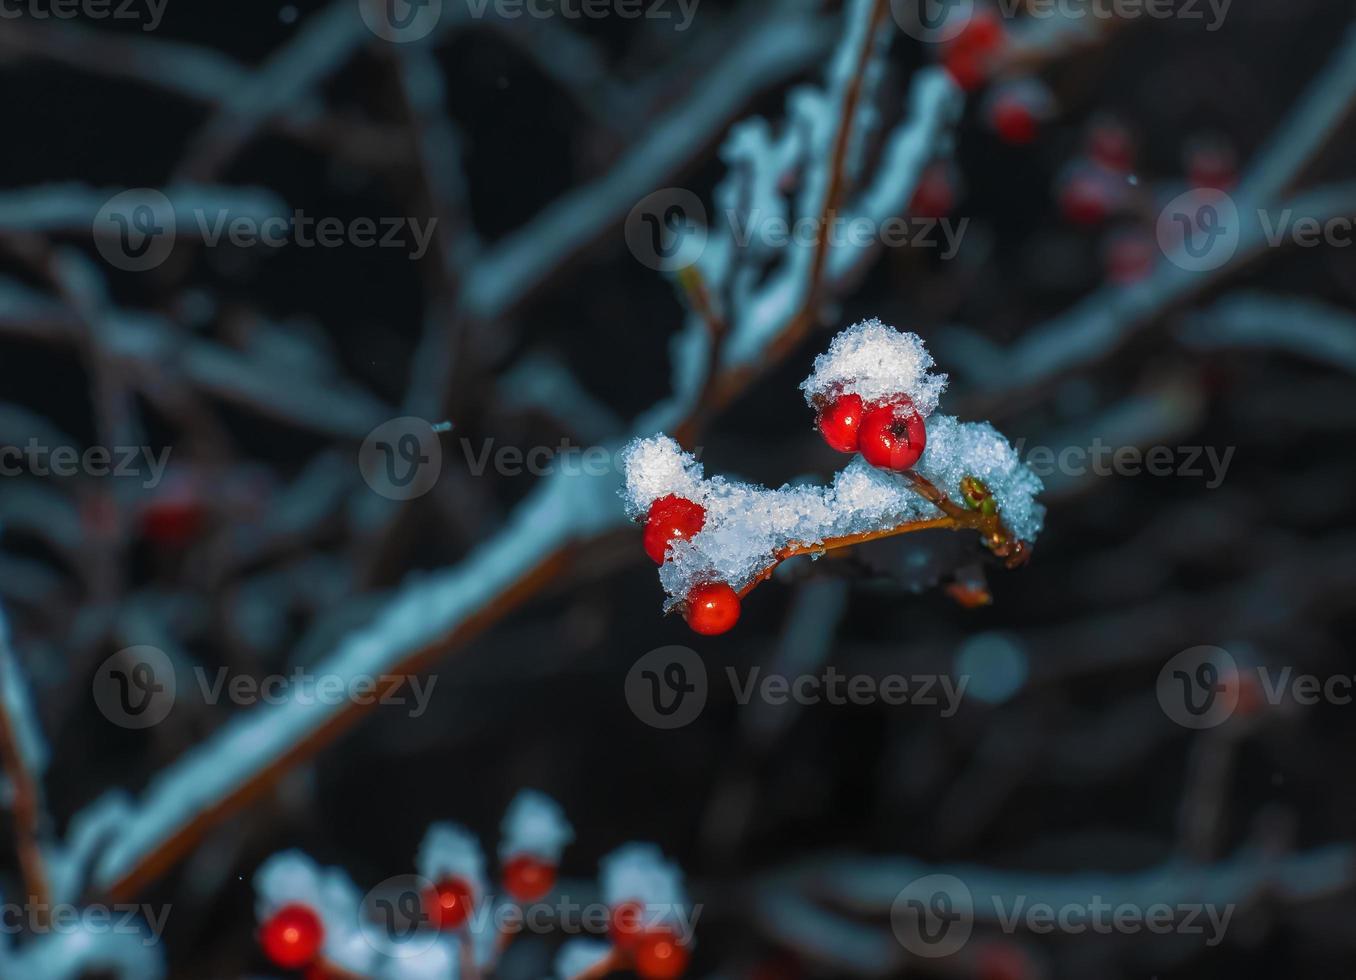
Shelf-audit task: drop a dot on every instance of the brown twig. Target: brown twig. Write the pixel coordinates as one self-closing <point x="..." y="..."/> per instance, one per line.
<point x="26" y="805"/>
<point x="956" y="518"/>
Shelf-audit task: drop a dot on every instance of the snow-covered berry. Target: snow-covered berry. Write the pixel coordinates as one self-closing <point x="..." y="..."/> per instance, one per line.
<point x="970" y="55"/>
<point x="1129" y="256"/>
<point x="528" y="878"/>
<point x="893" y="435"/>
<point x="449" y="903"/>
<point x="839" y="420"/>
<point x="1016" y="110"/>
<point x="626" y="923"/>
<point x="671" y="518"/>
<point x="712" y="608"/>
<point x="292" y="936"/>
<point x="1110" y="144"/>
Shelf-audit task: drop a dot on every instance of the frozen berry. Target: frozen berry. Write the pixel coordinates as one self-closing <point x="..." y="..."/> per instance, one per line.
<point x="1211" y="163"/>
<point x="893" y="435"/>
<point x="671" y="517"/>
<point x="529" y="878"/>
<point x="449" y="902"/>
<point x="625" y="926"/>
<point x="660" y="956"/>
<point x="712" y="608"/>
<point x="839" y="421"/>
<point x="1088" y="197"/>
<point x="292" y="937"/>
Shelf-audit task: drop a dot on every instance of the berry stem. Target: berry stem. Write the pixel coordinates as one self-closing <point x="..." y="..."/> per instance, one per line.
<point x="996" y="536"/>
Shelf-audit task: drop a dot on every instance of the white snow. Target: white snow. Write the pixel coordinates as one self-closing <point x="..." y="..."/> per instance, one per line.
<point x="638" y="872"/>
<point x="580" y="955"/>
<point x="875" y="361"/>
<point x="536" y="825"/>
<point x="451" y="851"/>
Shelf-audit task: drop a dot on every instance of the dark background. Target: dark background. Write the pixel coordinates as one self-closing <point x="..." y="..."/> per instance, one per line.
<point x="1076" y="773"/>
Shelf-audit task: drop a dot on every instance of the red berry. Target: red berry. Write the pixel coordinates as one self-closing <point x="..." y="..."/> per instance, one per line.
<point x="1087" y="199"/>
<point x="970" y="54"/>
<point x="935" y="195"/>
<point x="1013" y="121"/>
<point x="967" y="68"/>
<point x="1211" y="162"/>
<point x="625" y="927"/>
<point x="1003" y="961"/>
<point x="712" y="609"/>
<point x="449" y="902"/>
<point x="669" y="518"/>
<point x="292" y="937"/>
<point x="983" y="32"/>
<point x="1111" y="145"/>
<point x="529" y="878"/>
<point x="660" y="956"/>
<point x="1130" y="257"/>
<point x="893" y="435"/>
<point x="839" y="421"/>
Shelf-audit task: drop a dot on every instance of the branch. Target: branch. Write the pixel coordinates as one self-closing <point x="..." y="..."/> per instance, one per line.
<point x="20" y="753"/>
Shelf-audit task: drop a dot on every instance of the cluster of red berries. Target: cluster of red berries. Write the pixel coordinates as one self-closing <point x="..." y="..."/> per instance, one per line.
<point x="889" y="434"/>
<point x="971" y="55"/>
<point x="656" y="952"/>
<point x="292" y="937"/>
<point x="711" y="608"/>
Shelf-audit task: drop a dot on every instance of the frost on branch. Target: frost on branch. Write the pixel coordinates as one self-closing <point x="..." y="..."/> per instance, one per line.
<point x="534" y="825"/>
<point x="291" y="879"/>
<point x="748" y="529"/>
<point x="451" y="851"/>
<point x="639" y="874"/>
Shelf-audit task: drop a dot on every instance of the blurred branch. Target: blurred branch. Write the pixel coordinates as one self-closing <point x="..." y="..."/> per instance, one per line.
<point x="20" y="747"/>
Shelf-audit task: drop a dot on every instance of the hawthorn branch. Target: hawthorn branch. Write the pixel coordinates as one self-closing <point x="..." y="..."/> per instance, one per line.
<point x="25" y="793"/>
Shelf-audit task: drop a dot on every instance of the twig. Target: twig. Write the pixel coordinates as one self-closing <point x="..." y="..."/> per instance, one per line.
<point x="25" y="793"/>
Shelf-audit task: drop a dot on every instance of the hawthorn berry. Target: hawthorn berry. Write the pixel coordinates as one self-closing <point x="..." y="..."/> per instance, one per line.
<point x="528" y="878"/>
<point x="670" y="518"/>
<point x="449" y="902"/>
<point x="1088" y="197"/>
<point x="969" y="55"/>
<point x="1013" y="121"/>
<point x="624" y="926"/>
<point x="1003" y="961"/>
<point x="660" y="956"/>
<point x="291" y="938"/>
<point x="1211" y="163"/>
<point x="1129" y="257"/>
<point x="712" y="608"/>
<point x="839" y="420"/>
<point x="893" y="435"/>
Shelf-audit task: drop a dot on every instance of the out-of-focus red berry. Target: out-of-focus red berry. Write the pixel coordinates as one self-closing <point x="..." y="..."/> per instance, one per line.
<point x="449" y="903"/>
<point x="291" y="938"/>
<point x="528" y="878"/>
<point x="660" y="956"/>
